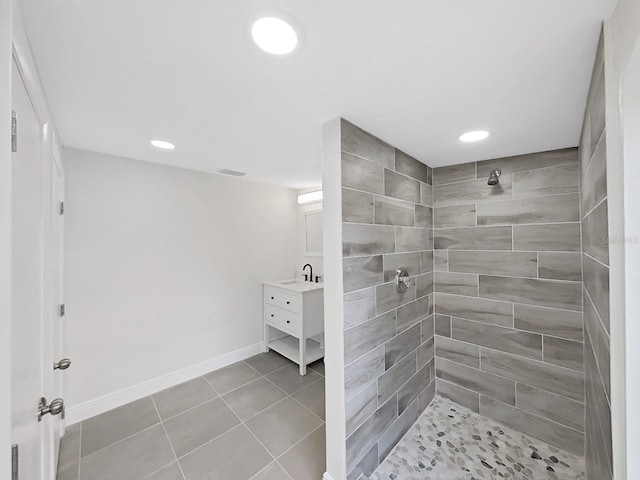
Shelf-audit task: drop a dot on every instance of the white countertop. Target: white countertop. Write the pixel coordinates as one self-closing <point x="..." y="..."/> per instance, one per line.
<point x="296" y="285"/>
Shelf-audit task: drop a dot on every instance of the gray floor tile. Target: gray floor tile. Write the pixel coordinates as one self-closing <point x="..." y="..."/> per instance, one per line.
<point x="253" y="398"/>
<point x="170" y="472"/>
<point x="266" y="363"/>
<point x="107" y="428"/>
<point x="68" y="472"/>
<point x="70" y="445"/>
<point x="283" y="425"/>
<point x="290" y="380"/>
<point x="272" y="472"/>
<point x="317" y="366"/>
<point x="131" y="459"/>
<point x="312" y="397"/>
<point x="306" y="461"/>
<point x="175" y="400"/>
<point x="231" y="377"/>
<point x="197" y="426"/>
<point x="235" y="455"/>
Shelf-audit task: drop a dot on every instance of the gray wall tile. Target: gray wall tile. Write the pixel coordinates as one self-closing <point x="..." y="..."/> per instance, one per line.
<point x="426" y="397"/>
<point x="565" y="353"/>
<point x="394" y="261"/>
<point x="457" y="283"/>
<point x="361" y="407"/>
<point x="462" y="396"/>
<point x="363" y="371"/>
<point x="388" y="297"/>
<point x="457" y="351"/>
<point x="424" y="284"/>
<point x="368" y="335"/>
<point x="454" y="173"/>
<point x="563" y="237"/>
<point x="401" y="187"/>
<point x="361" y="272"/>
<point x="389" y="211"/>
<point x="359" y="443"/>
<point x="425" y="351"/>
<point x="479" y="309"/>
<point x="549" y="405"/>
<point x="595" y="233"/>
<point x="455" y="216"/>
<point x="361" y="174"/>
<point x="366" y="466"/>
<point x="414" y="168"/>
<point x="414" y="312"/>
<point x="363" y="144"/>
<point x="400" y="346"/>
<point x="549" y="321"/>
<point x="409" y="392"/>
<point x="548" y="293"/>
<point x="360" y="240"/>
<point x="359" y="306"/>
<point x="442" y="325"/>
<point x="473" y="379"/>
<point x="546" y="181"/>
<point x="596" y="281"/>
<point x="426" y="261"/>
<point x="521" y="163"/>
<point x="560" y="266"/>
<point x="412" y="239"/>
<point x="518" y="264"/>
<point x="397" y="430"/>
<point x="504" y="339"/>
<point x="475" y="190"/>
<point x="562" y="381"/>
<point x="473" y="238"/>
<point x="594" y="182"/>
<point x="557" y="208"/>
<point x="391" y="380"/>
<point x="357" y="207"/>
<point x="538" y="427"/>
<point x="441" y="260"/>
<point x="599" y="342"/>
<point x="424" y="216"/>
<point x="426" y="194"/>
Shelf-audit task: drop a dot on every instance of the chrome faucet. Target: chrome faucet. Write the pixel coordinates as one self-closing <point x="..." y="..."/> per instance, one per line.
<point x="309" y="277"/>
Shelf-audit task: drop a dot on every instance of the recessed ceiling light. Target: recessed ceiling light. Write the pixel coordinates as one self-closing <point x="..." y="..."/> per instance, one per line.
<point x="274" y="35"/>
<point x="474" y="136"/>
<point x="163" y="145"/>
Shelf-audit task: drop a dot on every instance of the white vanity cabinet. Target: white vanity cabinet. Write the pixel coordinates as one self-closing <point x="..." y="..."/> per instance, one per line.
<point x="294" y="320"/>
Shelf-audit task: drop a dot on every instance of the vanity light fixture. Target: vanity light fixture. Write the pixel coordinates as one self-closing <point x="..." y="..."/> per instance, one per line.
<point x="310" y="197"/>
<point x="163" y="145"/>
<point x="474" y="136"/>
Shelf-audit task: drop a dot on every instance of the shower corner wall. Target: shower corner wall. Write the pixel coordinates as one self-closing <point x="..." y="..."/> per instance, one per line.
<point x="387" y="224"/>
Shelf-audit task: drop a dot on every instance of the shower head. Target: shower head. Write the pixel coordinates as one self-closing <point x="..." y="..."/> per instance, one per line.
<point x="493" y="177"/>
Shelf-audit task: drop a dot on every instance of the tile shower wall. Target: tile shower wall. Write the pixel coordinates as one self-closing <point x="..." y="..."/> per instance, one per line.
<point x="389" y="337"/>
<point x="508" y="293"/>
<point x="595" y="265"/>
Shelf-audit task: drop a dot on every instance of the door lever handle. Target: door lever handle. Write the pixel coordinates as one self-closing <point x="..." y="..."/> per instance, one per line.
<point x="62" y="364"/>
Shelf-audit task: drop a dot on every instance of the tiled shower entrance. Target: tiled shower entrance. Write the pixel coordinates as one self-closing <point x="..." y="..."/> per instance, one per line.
<point x="450" y="442"/>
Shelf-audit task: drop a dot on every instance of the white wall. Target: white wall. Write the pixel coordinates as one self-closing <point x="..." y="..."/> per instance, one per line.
<point x="5" y="238"/>
<point x="622" y="72"/>
<point x="164" y="270"/>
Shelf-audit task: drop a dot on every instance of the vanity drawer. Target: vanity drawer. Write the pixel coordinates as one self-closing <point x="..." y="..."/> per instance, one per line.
<point x="283" y="318"/>
<point x="278" y="298"/>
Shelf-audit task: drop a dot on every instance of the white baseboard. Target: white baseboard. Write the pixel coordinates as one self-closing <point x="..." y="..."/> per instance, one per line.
<point x="78" y="413"/>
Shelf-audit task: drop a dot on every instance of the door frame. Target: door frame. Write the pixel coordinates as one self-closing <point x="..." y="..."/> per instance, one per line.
<point x="16" y="48"/>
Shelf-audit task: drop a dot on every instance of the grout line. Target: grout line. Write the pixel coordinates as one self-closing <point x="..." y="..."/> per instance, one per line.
<point x="168" y="439"/>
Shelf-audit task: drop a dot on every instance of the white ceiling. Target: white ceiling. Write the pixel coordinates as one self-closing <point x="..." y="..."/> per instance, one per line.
<point x="417" y="73"/>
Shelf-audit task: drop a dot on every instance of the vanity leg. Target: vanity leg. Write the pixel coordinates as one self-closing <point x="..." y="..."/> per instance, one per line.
<point x="303" y="356"/>
<point x="265" y="347"/>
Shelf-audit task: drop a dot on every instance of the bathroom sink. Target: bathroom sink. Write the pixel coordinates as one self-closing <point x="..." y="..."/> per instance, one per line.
<point x="296" y="284"/>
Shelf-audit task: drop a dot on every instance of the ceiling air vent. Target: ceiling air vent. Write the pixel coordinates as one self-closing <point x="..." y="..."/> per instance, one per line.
<point x="233" y="173"/>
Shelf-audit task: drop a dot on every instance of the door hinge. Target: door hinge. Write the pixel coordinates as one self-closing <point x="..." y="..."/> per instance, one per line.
<point x="61" y="208"/>
<point x="15" y="463"/>
<point x="14" y="131"/>
<point x="62" y="310"/>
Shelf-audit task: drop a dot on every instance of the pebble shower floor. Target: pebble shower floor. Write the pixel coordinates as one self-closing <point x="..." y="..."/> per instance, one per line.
<point x="450" y="442"/>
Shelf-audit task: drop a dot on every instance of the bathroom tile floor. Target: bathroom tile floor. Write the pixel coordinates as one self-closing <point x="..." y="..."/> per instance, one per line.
<point x="257" y="419"/>
<point x="450" y="442"/>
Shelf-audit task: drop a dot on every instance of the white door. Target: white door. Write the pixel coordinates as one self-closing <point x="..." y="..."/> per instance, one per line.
<point x="32" y="371"/>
